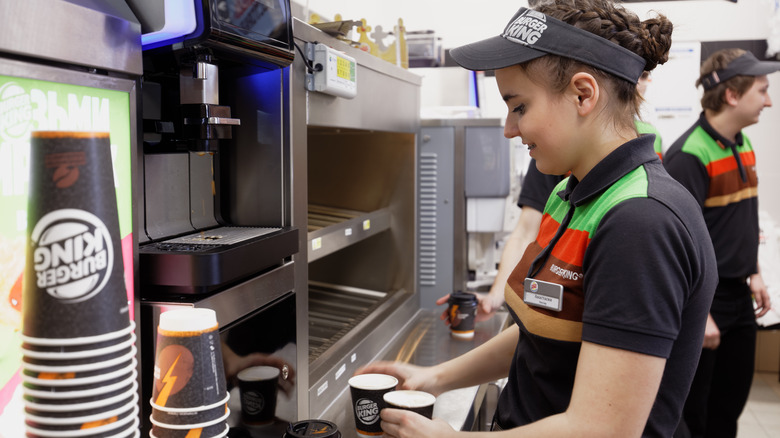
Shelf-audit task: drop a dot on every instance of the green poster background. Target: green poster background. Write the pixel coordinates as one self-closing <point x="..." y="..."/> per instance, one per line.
<point x="27" y="105"/>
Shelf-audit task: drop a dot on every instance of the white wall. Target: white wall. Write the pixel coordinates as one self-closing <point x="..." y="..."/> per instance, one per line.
<point x="459" y="22"/>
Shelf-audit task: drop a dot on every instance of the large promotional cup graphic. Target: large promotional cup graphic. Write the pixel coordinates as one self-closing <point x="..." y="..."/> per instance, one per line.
<point x="67" y="234"/>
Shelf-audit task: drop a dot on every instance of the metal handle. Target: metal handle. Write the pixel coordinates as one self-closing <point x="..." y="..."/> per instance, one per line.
<point x="212" y="121"/>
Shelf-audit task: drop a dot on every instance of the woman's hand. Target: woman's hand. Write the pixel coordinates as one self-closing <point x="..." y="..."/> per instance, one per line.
<point x="409" y="376"/>
<point x="711" y="334"/>
<point x="399" y="423"/>
<point x="760" y="295"/>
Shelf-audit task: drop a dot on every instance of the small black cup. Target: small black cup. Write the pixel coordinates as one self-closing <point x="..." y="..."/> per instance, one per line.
<point x="462" y="313"/>
<point x="367" y="392"/>
<point x="258" y="387"/>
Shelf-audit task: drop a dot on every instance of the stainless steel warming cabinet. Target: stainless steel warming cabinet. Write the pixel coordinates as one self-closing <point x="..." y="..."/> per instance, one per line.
<point x="354" y="195"/>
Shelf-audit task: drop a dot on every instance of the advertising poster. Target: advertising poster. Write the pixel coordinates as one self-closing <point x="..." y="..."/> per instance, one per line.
<point x="27" y="105"/>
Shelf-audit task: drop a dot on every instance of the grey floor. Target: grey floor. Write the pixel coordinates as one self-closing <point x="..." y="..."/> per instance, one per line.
<point x="761" y="417"/>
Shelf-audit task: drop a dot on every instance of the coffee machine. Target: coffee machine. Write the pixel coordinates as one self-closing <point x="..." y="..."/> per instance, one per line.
<point x="215" y="214"/>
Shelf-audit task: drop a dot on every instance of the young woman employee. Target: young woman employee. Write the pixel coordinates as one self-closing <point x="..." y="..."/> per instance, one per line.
<point x="611" y="298"/>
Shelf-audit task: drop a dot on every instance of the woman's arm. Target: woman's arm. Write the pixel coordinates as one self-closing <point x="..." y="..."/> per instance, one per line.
<point x="614" y="391"/>
<point x="486" y="363"/>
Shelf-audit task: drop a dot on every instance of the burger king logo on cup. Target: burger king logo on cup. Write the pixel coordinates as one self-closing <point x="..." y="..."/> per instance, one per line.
<point x="72" y="254"/>
<point x="253" y="402"/>
<point x="367" y="411"/>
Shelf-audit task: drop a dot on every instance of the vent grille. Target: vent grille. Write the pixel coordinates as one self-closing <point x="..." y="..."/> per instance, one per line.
<point x="428" y="191"/>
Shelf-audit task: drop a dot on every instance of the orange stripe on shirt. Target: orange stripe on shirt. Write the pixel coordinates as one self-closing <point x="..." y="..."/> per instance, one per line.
<point x="571" y="248"/>
<point x="728" y="164"/>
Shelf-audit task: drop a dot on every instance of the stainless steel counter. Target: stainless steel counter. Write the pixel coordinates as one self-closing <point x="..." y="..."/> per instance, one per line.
<point x="425" y="341"/>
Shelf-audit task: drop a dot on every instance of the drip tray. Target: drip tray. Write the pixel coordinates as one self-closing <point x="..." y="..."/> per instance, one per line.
<point x="207" y="260"/>
<point x="334" y="311"/>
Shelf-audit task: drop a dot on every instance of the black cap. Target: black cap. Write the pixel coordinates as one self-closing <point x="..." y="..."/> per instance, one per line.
<point x="312" y="428"/>
<point x="531" y="34"/>
<point x="745" y="65"/>
<point x="462" y="298"/>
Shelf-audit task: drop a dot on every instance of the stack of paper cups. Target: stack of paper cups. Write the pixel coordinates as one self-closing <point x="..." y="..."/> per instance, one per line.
<point x="79" y="367"/>
<point x="189" y="397"/>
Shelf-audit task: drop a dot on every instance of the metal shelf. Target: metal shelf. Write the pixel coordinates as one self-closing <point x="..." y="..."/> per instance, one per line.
<point x="332" y="229"/>
<point x="334" y="310"/>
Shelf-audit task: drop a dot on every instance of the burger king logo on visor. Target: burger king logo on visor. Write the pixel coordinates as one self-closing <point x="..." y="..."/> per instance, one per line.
<point x="527" y="28"/>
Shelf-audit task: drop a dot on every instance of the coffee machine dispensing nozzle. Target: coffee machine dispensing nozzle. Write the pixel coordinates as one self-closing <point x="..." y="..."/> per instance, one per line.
<point x="205" y="121"/>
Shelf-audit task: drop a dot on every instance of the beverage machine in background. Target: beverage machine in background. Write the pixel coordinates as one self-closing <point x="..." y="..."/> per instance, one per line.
<point x="215" y="164"/>
<point x="63" y="66"/>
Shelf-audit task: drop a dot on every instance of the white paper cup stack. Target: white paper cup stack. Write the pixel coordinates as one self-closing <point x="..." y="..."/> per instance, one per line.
<point x="81" y="387"/>
<point x="189" y="397"/>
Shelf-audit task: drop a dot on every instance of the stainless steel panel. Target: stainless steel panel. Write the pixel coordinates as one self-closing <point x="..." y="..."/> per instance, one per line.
<point x="420" y="339"/>
<point x="66" y="32"/>
<point x="361" y="345"/>
<point x="334" y="310"/>
<point x="202" y="190"/>
<point x="355" y="155"/>
<point x="166" y="183"/>
<point x="439" y="209"/>
<point x="442" y="244"/>
<point x="332" y="229"/>
<point x="487" y="162"/>
<point x="237" y="302"/>
<point x="254" y="171"/>
<point x="388" y="96"/>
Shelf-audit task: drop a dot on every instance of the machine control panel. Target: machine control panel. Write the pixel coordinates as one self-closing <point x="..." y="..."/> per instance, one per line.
<point x="331" y="72"/>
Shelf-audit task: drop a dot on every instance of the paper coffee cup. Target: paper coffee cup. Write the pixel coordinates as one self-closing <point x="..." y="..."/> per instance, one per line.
<point x="203" y="414"/>
<point x="97" y="430"/>
<point x="87" y="408"/>
<point x="462" y="313"/>
<point x="258" y="387"/>
<point x="208" y="429"/>
<point x="415" y="401"/>
<point x="312" y="429"/>
<point x="76" y="342"/>
<point x="54" y="404"/>
<point x="105" y="421"/>
<point x="218" y="430"/>
<point x="79" y="371"/>
<point x="74" y="277"/>
<point x="65" y="395"/>
<point x="188" y="369"/>
<point x="36" y="360"/>
<point x="367" y="392"/>
<point x="59" y="347"/>
<point x="75" y="383"/>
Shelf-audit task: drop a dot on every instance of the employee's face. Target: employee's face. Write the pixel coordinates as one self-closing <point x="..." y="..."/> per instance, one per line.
<point x="543" y="121"/>
<point x="754" y="100"/>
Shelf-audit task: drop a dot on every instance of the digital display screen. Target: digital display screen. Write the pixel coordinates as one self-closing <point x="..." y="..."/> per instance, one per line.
<point x="345" y="69"/>
<point x="258" y="20"/>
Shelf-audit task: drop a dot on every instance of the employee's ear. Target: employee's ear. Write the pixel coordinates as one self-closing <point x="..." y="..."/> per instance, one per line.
<point x="731" y="96"/>
<point x="585" y="89"/>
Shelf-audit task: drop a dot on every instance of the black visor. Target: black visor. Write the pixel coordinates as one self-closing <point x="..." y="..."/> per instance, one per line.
<point x="745" y="65"/>
<point x="531" y="34"/>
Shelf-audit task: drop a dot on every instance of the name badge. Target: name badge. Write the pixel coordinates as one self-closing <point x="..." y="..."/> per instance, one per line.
<point x="543" y="294"/>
